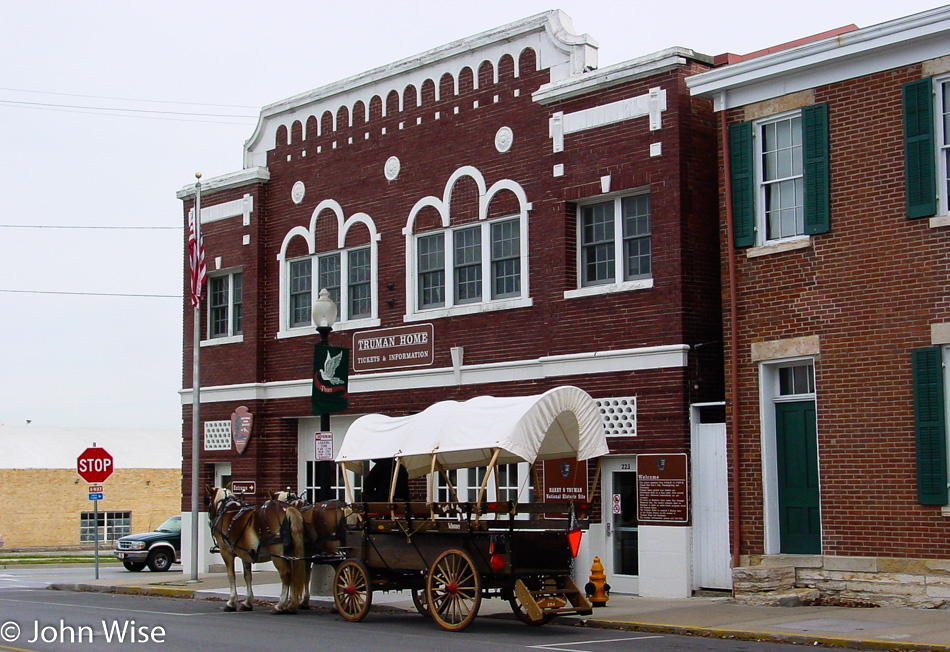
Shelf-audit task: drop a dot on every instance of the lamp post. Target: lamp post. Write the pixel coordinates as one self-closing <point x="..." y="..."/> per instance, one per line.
<point x="324" y="316"/>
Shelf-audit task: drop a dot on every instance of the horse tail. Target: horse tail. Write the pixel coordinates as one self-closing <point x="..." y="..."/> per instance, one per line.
<point x="298" y="575"/>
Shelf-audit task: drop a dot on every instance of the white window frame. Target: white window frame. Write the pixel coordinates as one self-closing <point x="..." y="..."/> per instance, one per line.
<point x="467" y="483"/>
<point x="344" y="320"/>
<point x="942" y="144"/>
<point x="442" y="206"/>
<point x="290" y="265"/>
<point x="618" y="284"/>
<point x="452" y="305"/>
<point x="761" y="220"/>
<point x="231" y="337"/>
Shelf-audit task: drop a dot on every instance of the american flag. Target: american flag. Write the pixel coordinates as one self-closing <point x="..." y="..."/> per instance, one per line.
<point x="196" y="256"/>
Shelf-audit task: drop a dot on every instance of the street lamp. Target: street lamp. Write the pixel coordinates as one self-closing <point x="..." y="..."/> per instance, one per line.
<point x="324" y="316"/>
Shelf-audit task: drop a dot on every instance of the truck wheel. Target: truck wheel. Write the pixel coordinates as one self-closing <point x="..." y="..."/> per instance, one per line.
<point x="134" y="566"/>
<point x="160" y="560"/>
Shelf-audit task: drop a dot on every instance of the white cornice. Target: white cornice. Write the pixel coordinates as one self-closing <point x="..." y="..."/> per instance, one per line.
<point x="865" y="51"/>
<point x="594" y="362"/>
<point x="226" y="181"/>
<point x="550" y="34"/>
<point x="620" y="73"/>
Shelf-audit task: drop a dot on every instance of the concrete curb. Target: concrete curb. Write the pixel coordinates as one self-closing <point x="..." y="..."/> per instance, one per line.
<point x="155" y="591"/>
<point x="757" y="636"/>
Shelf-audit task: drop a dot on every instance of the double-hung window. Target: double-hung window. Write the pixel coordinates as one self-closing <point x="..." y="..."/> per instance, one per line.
<point x="300" y="289"/>
<point x="468" y="265"/>
<point x="927" y="146"/>
<point x="431" y="250"/>
<point x="615" y="241"/>
<point x="346" y="275"/>
<point x="224" y="305"/>
<point x="779" y="177"/>
<point x="781" y="185"/>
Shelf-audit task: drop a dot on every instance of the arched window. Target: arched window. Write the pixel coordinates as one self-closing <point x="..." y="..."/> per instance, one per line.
<point x="347" y="271"/>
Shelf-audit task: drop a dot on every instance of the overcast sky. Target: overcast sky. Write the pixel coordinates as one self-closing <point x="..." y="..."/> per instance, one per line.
<point x="65" y="160"/>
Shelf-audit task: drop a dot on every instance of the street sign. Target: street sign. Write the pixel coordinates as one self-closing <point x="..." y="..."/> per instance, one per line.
<point x="94" y="465"/>
<point x="244" y="486"/>
<point x="323" y="446"/>
<point x="97" y="496"/>
<point x="95" y="488"/>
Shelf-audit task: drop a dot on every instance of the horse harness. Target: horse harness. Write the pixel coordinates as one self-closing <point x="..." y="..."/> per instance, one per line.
<point x="227" y="505"/>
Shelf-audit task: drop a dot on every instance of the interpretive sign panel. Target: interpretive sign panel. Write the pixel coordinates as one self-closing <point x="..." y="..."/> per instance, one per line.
<point x="662" y="489"/>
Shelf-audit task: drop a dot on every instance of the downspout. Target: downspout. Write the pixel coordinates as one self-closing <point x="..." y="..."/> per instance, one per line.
<point x="733" y="333"/>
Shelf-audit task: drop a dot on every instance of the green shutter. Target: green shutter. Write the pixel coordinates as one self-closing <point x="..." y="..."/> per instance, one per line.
<point x="742" y="178"/>
<point x="815" y="167"/>
<point x="919" y="174"/>
<point x="930" y="427"/>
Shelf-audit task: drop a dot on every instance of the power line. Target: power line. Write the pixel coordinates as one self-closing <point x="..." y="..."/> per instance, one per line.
<point x="65" y="226"/>
<point x="124" y="115"/>
<point x="127" y="99"/>
<point x="96" y="294"/>
<point x="109" y="108"/>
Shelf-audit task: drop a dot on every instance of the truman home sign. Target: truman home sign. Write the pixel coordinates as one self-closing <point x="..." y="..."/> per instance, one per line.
<point x="393" y="348"/>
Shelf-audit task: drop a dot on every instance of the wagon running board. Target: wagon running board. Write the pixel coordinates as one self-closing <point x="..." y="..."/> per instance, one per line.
<point x="552" y="601"/>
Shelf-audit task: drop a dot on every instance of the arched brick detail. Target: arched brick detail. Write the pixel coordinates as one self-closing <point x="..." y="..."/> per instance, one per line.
<point x="466" y="80"/>
<point x="527" y="62"/>
<point x="486" y="75"/>
<point x="359" y="113"/>
<point x="410" y="98"/>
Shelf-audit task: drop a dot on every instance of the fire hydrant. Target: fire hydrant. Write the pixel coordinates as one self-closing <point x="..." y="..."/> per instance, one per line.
<point x="597" y="588"/>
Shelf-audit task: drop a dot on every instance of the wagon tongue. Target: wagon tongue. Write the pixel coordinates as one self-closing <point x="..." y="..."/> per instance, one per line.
<point x="574" y="539"/>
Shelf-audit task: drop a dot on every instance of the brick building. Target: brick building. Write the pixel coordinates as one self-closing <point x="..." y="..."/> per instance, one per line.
<point x="539" y="221"/>
<point x="834" y="218"/>
<point x="39" y="462"/>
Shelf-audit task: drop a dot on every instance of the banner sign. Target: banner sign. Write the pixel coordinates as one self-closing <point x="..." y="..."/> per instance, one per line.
<point x="331" y="366"/>
<point x="394" y="348"/>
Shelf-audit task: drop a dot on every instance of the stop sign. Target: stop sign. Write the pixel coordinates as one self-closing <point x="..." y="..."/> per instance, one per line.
<point x="94" y="465"/>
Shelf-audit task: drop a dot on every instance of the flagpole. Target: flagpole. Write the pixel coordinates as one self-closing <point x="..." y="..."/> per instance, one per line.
<point x="195" y="400"/>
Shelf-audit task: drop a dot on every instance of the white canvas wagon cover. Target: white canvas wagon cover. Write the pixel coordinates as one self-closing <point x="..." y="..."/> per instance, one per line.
<point x="562" y="422"/>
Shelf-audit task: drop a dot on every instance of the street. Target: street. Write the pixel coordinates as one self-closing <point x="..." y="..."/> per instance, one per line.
<point x="33" y="618"/>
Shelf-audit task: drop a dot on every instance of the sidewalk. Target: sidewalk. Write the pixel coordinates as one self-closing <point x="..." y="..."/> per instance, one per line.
<point x="719" y="617"/>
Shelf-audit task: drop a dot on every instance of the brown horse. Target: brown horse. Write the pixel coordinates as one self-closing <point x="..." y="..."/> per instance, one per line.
<point x="268" y="532"/>
<point x="323" y="531"/>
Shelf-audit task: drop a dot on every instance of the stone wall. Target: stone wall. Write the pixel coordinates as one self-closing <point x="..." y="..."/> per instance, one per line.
<point x="789" y="580"/>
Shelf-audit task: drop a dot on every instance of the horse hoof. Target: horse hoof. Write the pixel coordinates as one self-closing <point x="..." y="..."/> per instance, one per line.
<point x="305" y="607"/>
<point x="281" y="612"/>
<point x="245" y="607"/>
<point x="228" y="607"/>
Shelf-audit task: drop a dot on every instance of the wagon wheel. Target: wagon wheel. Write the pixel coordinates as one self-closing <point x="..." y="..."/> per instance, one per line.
<point x="422" y="603"/>
<point x="352" y="590"/>
<point x="453" y="590"/>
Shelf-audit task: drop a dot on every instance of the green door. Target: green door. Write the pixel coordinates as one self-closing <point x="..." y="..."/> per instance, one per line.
<point x="798" y="497"/>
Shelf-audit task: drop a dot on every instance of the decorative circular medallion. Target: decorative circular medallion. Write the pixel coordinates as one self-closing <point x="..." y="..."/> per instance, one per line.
<point x="297" y="192"/>
<point x="503" y="139"/>
<point x="392" y="167"/>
